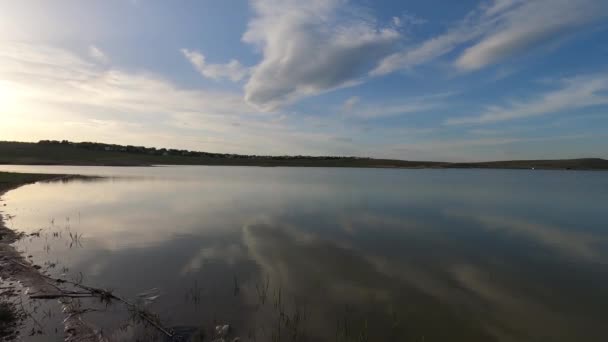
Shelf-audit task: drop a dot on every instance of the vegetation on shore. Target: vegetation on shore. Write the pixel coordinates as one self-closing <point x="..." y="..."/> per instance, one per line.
<point x="10" y="180"/>
<point x="48" y="152"/>
<point x="8" y="320"/>
<point x="86" y="153"/>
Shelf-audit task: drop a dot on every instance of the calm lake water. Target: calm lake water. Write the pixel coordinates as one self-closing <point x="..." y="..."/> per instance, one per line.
<point x="333" y="254"/>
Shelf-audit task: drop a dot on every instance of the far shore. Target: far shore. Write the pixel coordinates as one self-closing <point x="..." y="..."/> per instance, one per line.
<point x="98" y="154"/>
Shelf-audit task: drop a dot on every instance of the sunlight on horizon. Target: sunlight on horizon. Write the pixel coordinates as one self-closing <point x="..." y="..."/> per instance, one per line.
<point x="8" y="98"/>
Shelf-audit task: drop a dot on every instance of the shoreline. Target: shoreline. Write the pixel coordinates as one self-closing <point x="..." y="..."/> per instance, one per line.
<point x="14" y="268"/>
<point x="98" y="154"/>
<point x="10" y="272"/>
<point x="22" y="281"/>
<point x="453" y="166"/>
<point x="19" y="278"/>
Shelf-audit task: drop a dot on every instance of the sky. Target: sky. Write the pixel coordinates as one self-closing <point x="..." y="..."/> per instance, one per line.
<point x="420" y="80"/>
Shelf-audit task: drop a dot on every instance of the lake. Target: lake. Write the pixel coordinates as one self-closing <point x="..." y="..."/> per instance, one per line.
<point x="329" y="254"/>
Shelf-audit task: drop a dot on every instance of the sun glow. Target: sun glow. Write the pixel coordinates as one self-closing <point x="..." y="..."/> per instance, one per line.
<point x="8" y="97"/>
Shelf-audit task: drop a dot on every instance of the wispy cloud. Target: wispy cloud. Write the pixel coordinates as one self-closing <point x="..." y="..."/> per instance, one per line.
<point x="353" y="107"/>
<point x="52" y="93"/>
<point x="350" y="103"/>
<point x="232" y="70"/>
<point x="407" y="21"/>
<point x="55" y="93"/>
<point x="574" y="93"/>
<point x="98" y="55"/>
<point x="500" y="29"/>
<point x="425" y="52"/>
<point x="523" y="25"/>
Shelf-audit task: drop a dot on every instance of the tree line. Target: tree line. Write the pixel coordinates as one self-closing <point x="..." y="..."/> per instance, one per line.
<point x="95" y="146"/>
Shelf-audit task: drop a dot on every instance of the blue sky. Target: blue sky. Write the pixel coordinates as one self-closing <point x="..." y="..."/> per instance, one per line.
<point x="434" y="80"/>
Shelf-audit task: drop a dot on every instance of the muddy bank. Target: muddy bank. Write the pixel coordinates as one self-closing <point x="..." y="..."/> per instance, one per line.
<point x="12" y="264"/>
<point x="19" y="279"/>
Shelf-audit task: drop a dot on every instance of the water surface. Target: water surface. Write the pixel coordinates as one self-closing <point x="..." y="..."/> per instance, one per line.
<point x="348" y="254"/>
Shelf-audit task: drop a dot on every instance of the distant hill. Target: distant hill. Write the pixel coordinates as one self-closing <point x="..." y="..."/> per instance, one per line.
<point x="49" y="152"/>
<point x="568" y="164"/>
<point x="87" y="153"/>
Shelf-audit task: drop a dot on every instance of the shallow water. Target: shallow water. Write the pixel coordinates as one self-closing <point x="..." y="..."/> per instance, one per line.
<point x="349" y="254"/>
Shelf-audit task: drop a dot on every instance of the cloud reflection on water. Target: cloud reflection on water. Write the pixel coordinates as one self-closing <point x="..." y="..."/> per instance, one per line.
<point x="409" y="251"/>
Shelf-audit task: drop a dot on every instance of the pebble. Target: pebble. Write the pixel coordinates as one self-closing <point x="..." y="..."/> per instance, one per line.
<point x="222" y="330"/>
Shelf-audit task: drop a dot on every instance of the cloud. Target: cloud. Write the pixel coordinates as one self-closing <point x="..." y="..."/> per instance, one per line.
<point x="500" y="29"/>
<point x="309" y="48"/>
<point x="574" y="93"/>
<point x="528" y="24"/>
<point x="427" y="51"/>
<point x="350" y="103"/>
<point x="408" y="20"/>
<point x="98" y="55"/>
<point x="232" y="70"/>
<point x="51" y="92"/>
<point x="397" y="21"/>
<point x="355" y="108"/>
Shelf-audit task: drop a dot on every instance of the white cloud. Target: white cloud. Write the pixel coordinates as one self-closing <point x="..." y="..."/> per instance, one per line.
<point x="428" y="50"/>
<point x="500" y="29"/>
<point x="232" y="70"/>
<point x="98" y="55"/>
<point x="574" y="93"/>
<point x="310" y="47"/>
<point x="527" y="24"/>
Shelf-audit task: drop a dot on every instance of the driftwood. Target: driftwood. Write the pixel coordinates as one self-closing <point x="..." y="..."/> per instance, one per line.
<point x="106" y="295"/>
<point x="89" y="292"/>
<point x="62" y="295"/>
